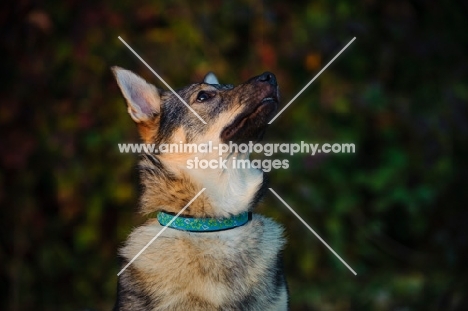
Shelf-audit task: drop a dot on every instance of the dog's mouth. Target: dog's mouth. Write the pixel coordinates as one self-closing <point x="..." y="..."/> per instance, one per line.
<point x="250" y="125"/>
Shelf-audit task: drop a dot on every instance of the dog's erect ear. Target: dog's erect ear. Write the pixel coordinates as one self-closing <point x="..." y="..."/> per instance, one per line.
<point x="143" y="99"/>
<point x="210" y="78"/>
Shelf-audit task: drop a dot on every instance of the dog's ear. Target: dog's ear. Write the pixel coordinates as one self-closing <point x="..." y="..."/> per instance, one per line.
<point x="143" y="99"/>
<point x="210" y="78"/>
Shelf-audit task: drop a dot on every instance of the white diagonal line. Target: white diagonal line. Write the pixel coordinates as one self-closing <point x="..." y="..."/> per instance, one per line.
<point x="312" y="230"/>
<point x="159" y="77"/>
<point x="159" y="233"/>
<point x="316" y="76"/>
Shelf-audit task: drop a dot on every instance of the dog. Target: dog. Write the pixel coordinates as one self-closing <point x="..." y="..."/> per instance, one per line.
<point x="235" y="266"/>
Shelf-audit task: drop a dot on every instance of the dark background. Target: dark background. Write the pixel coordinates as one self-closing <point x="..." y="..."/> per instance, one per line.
<point x="395" y="210"/>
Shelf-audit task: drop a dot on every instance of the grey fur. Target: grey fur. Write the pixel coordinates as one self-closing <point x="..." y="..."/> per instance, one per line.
<point x="210" y="78"/>
<point x="236" y="269"/>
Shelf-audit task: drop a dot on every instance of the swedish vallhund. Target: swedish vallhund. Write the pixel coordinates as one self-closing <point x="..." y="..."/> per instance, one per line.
<point x="216" y="255"/>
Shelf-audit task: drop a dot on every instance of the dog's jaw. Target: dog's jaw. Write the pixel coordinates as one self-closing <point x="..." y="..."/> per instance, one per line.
<point x="251" y="122"/>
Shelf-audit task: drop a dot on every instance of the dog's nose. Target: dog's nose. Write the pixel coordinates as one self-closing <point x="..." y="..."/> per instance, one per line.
<point x="268" y="77"/>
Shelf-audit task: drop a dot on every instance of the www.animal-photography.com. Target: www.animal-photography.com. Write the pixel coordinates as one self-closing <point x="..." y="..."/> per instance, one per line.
<point x="234" y="155"/>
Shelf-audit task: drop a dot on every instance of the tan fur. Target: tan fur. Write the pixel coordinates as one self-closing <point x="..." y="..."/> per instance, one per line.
<point x="172" y="195"/>
<point x="235" y="269"/>
<point x="207" y="279"/>
<point x="148" y="130"/>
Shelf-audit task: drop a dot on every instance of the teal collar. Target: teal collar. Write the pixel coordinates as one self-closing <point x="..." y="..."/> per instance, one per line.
<point x="192" y="224"/>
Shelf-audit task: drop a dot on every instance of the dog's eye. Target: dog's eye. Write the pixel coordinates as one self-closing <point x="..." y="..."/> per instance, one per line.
<point x="203" y="96"/>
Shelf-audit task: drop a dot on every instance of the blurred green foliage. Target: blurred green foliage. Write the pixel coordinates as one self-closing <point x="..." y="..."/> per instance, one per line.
<point x="395" y="210"/>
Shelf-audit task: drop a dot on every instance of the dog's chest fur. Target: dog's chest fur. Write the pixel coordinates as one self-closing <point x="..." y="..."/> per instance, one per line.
<point x="237" y="269"/>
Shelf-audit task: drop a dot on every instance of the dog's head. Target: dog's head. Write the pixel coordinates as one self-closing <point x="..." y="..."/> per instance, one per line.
<point x="232" y="114"/>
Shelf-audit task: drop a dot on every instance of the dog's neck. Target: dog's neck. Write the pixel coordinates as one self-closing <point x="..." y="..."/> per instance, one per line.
<point x="169" y="185"/>
<point x="232" y="189"/>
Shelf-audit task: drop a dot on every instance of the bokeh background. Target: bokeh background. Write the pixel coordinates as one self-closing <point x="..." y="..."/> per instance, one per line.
<point x="396" y="210"/>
